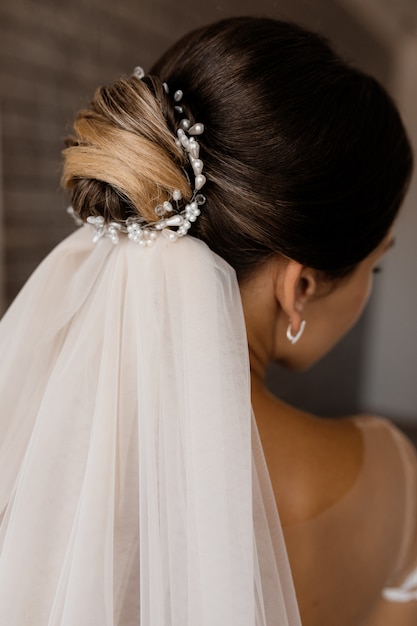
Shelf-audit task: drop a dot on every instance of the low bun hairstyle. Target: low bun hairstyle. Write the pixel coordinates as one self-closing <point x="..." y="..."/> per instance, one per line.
<point x="304" y="156"/>
<point x="123" y="158"/>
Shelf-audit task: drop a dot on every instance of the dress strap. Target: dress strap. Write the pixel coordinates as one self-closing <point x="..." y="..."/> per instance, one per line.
<point x="405" y="593"/>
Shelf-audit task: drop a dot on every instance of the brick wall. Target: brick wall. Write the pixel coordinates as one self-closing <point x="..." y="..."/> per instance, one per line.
<point x="51" y="60"/>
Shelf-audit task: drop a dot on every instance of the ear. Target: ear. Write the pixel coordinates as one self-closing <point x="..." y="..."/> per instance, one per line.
<point x="295" y="285"/>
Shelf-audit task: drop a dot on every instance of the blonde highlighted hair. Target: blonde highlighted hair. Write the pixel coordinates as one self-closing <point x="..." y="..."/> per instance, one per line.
<point x="123" y="159"/>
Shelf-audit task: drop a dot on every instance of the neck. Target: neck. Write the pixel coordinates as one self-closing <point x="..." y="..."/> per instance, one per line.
<point x="258" y="365"/>
<point x="259" y="308"/>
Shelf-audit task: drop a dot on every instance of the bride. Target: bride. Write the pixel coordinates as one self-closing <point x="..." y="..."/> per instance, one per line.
<point x="233" y="203"/>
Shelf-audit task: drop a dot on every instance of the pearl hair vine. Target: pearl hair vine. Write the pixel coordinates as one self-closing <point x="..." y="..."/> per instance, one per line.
<point x="174" y="219"/>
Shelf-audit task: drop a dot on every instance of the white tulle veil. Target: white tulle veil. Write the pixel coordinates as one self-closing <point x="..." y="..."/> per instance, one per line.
<point x="133" y="489"/>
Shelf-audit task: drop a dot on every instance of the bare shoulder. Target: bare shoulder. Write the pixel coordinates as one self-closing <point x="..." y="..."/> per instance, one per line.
<point x="343" y="560"/>
<point x="313" y="462"/>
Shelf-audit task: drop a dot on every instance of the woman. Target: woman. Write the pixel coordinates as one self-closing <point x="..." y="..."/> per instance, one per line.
<point x="128" y="463"/>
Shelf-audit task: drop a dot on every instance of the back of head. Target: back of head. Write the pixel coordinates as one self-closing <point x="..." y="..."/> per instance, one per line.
<point x="304" y="155"/>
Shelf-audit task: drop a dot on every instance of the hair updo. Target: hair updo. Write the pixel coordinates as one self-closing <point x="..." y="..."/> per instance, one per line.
<point x="304" y="156"/>
<point x="123" y="159"/>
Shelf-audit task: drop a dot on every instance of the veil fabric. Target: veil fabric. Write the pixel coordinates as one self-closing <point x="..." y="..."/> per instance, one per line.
<point x="133" y="488"/>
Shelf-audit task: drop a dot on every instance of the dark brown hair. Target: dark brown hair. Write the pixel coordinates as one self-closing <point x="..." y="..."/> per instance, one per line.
<point x="304" y="155"/>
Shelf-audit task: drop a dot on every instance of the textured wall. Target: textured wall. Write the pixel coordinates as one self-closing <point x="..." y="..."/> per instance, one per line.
<point x="52" y="57"/>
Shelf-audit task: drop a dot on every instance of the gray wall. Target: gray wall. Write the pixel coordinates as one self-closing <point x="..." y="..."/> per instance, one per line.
<point x="389" y="381"/>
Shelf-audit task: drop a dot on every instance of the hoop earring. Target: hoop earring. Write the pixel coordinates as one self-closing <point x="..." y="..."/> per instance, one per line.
<point x="294" y="338"/>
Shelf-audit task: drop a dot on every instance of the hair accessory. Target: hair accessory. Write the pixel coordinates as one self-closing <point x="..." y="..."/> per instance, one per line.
<point x="139" y="72"/>
<point x="175" y="215"/>
<point x="294" y="338"/>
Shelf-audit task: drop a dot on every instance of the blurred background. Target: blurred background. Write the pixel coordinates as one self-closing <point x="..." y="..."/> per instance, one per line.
<point x="52" y="56"/>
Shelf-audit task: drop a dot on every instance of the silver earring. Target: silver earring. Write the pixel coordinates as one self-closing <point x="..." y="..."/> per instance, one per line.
<point x="294" y="338"/>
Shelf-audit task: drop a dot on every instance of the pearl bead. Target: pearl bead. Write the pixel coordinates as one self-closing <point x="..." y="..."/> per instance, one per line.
<point x="176" y="220"/>
<point x="197" y="165"/>
<point x="178" y="95"/>
<point x="194" y="149"/>
<point x="196" y="129"/>
<point x="168" y="206"/>
<point x="183" y="138"/>
<point x="169" y="234"/>
<point x="138" y="72"/>
<point x="185" y="124"/>
<point x="200" y="181"/>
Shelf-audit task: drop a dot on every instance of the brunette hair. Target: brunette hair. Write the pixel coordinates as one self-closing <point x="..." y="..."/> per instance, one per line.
<point x="304" y="155"/>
